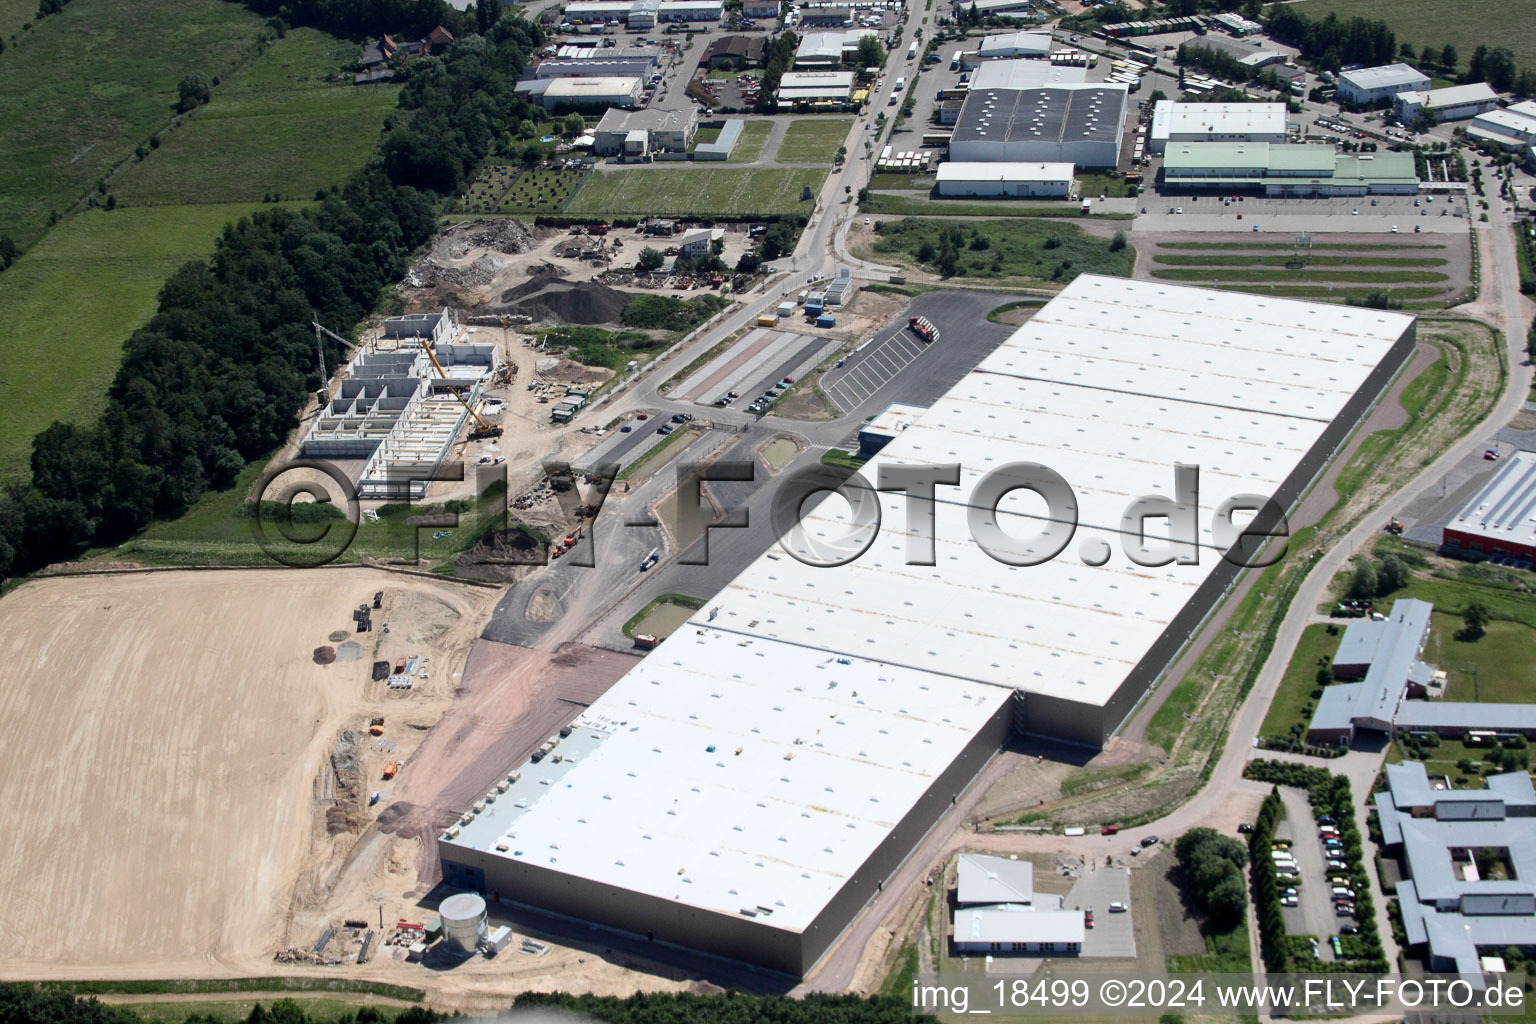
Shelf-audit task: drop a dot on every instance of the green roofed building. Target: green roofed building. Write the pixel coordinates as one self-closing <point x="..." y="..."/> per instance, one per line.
<point x="1285" y="170"/>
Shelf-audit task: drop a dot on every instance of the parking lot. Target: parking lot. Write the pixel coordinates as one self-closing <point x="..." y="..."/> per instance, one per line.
<point x="865" y="381"/>
<point x="1111" y="934"/>
<point x="1314" y="913"/>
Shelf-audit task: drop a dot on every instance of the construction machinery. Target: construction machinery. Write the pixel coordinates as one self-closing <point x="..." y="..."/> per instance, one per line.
<point x="645" y="641"/>
<point x="391" y="768"/>
<point x="483" y="430"/>
<point x="323" y="394"/>
<point x="376" y="726"/>
<point x="1395" y="527"/>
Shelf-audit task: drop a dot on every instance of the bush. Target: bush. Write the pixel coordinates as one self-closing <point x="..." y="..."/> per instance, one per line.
<point x="669" y="313"/>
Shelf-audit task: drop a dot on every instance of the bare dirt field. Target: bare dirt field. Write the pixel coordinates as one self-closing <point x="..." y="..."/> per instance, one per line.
<point x="168" y="776"/>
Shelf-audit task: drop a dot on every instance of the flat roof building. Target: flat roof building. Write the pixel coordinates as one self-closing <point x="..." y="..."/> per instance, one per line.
<point x="690" y="10"/>
<point x="1450" y="913"/>
<point x="815" y="87"/>
<point x="637" y="134"/>
<point x="1007" y="928"/>
<point x="1215" y="122"/>
<point x="1373" y="87"/>
<point x="1020" y="111"/>
<point x="1385" y="656"/>
<point x="588" y="93"/>
<point x="828" y="49"/>
<point x="749" y="786"/>
<point x="1512" y="128"/>
<point x="1015" y="44"/>
<point x="1003" y="179"/>
<point x="617" y="67"/>
<point x="1456" y="103"/>
<point x="1295" y="170"/>
<point x="1500" y="519"/>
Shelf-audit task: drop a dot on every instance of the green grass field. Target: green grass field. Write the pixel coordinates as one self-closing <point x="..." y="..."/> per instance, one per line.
<point x="1462" y="23"/>
<point x="281" y="126"/>
<point x="1006" y="248"/>
<point x="1492" y="670"/>
<point x="884" y="202"/>
<point x="812" y="140"/>
<point x="14" y="14"/>
<point x="754" y="136"/>
<point x="91" y="83"/>
<point x="702" y="191"/>
<point x="73" y="300"/>
<point x="1315" y="651"/>
<point x="235" y="1010"/>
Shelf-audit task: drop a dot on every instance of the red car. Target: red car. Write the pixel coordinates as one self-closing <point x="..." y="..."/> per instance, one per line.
<point x="1109" y="830"/>
<point x="1088" y="918"/>
<point x="642" y="416"/>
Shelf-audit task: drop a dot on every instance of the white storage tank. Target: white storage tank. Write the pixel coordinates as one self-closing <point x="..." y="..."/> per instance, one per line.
<point x="463" y="917"/>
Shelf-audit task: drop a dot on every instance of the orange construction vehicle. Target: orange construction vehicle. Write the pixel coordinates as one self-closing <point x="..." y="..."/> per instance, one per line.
<point x="391" y="768"/>
<point x="376" y="727"/>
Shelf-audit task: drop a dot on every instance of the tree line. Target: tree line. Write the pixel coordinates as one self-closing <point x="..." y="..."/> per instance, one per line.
<point x="22" y="1003"/>
<point x="1331" y="41"/>
<point x="214" y="379"/>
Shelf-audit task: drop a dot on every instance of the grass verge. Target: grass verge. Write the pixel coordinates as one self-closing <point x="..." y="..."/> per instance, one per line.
<point x="881" y="202"/>
<point x="700" y="192"/>
<point x="269" y="984"/>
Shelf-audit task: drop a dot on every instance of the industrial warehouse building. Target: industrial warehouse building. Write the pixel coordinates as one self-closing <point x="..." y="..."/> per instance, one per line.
<point x="829" y="49"/>
<point x="1500" y="519"/>
<point x="1297" y="170"/>
<point x="595" y="67"/>
<point x="1011" y="180"/>
<point x="748" y="787"/>
<point x="1021" y="111"/>
<point x="1512" y="127"/>
<point x="1015" y="44"/>
<point x="583" y="93"/>
<point x="395" y="411"/>
<point x="1456" y="103"/>
<point x="827" y="89"/>
<point x="1215" y="122"/>
<point x="1372" y="87"/>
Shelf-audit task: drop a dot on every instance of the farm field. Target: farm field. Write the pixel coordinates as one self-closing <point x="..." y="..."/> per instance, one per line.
<point x="1462" y="23"/>
<point x="61" y="130"/>
<point x="179" y="798"/>
<point x="280" y="127"/>
<point x="1000" y="249"/>
<point x="14" y="14"/>
<point x="812" y="140"/>
<point x="704" y="191"/>
<point x="72" y="301"/>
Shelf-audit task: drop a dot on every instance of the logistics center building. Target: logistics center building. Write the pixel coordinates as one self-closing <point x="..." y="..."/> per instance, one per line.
<point x="749" y="786"/>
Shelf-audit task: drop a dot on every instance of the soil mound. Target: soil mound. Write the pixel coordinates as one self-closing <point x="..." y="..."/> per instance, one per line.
<point x="324" y="655"/>
<point x="572" y="302"/>
<point x="508" y="236"/>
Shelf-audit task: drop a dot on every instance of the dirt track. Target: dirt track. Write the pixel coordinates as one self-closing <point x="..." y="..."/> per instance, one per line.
<point x="168" y="739"/>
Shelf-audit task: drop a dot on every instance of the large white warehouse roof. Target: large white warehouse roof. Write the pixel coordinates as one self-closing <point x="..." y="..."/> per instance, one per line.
<point x="1172" y="120"/>
<point x="748" y="771"/>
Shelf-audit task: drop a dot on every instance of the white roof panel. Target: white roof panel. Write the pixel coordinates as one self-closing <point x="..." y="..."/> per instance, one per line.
<point x="1171" y="120"/>
<point x="834" y="697"/>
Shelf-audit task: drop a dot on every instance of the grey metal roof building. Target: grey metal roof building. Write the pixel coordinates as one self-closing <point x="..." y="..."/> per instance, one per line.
<point x="1371" y="86"/>
<point x="1020" y="111"/>
<point x="751" y="784"/>
<point x="1501" y="517"/>
<point x="985" y="879"/>
<point x="1447" y="907"/>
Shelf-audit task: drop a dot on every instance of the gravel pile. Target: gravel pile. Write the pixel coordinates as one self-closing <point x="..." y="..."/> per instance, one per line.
<point x="569" y="302"/>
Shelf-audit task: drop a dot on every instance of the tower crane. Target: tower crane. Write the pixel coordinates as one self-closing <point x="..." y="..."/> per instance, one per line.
<point x="323" y="393"/>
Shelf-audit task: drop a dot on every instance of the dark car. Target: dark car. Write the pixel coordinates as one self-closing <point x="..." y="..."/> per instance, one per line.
<point x="626" y="428"/>
<point x="1245" y="828"/>
<point x="1350" y="929"/>
<point x="665" y="428"/>
<point x="1149" y="841"/>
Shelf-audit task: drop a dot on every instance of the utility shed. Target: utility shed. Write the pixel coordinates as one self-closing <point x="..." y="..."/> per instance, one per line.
<point x="1005" y="179"/>
<point x="750" y="786"/>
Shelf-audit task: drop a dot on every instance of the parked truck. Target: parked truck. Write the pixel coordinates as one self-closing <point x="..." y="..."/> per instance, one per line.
<point x="923" y="328"/>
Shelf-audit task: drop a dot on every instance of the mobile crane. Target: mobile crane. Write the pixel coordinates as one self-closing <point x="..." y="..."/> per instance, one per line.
<point x="483" y="430"/>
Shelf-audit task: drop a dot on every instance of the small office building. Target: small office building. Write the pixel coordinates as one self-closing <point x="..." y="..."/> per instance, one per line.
<point x="1296" y="171"/>
<point x="1372" y="87"/>
<point x="1457" y="103"/>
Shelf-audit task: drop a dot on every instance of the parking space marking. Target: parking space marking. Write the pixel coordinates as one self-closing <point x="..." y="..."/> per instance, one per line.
<point x="876" y="368"/>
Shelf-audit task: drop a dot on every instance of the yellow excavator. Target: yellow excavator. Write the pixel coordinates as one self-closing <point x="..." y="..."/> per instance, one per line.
<point x="483" y="430"/>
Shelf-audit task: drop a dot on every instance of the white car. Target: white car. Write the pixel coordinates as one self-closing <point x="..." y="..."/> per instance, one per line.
<point x="1118" y="908"/>
<point x="1178" y="209"/>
